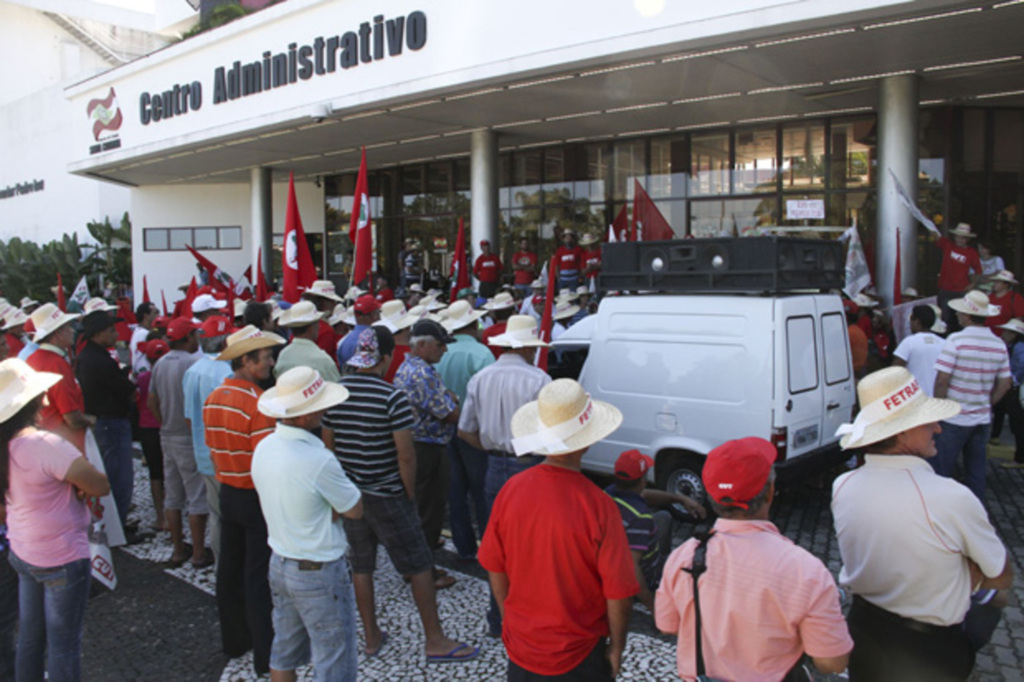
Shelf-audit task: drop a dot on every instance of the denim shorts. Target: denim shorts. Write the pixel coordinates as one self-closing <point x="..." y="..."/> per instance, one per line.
<point x="314" y="617"/>
<point x="394" y="523"/>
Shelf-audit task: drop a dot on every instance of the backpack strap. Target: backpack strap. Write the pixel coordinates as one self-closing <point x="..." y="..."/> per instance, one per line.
<point x="697" y="567"/>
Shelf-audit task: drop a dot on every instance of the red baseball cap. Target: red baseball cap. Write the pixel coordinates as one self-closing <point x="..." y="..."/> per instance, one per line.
<point x="217" y="325"/>
<point x="485" y="242"/>
<point x="154" y="349"/>
<point x="366" y="304"/>
<point x="737" y="470"/>
<point x="632" y="465"/>
<point x="850" y="307"/>
<point x="161" y="321"/>
<point x="180" y="327"/>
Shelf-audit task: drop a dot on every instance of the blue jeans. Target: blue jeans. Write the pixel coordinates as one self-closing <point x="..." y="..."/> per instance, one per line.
<point x="8" y="612"/>
<point x="52" y="608"/>
<point x="114" y="438"/>
<point x="972" y="441"/>
<point x="468" y="473"/>
<point x="314" y="618"/>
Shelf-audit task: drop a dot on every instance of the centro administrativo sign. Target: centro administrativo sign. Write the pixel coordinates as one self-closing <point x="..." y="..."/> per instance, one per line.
<point x="374" y="41"/>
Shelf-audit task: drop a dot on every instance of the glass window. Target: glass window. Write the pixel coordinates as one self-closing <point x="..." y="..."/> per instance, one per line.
<point x="756" y="163"/>
<point x="230" y="237"/>
<point x="628" y="165"/>
<point x="853" y="153"/>
<point x="204" y="238"/>
<point x="180" y="239"/>
<point x="709" y="164"/>
<point x="669" y="160"/>
<point x="155" y="239"/>
<point x="557" y="188"/>
<point x="412" y="190"/>
<point x="592" y="180"/>
<point x="731" y="217"/>
<point x="834" y="340"/>
<point x="504" y="180"/>
<point x="801" y="354"/>
<point x="526" y="178"/>
<point x="803" y="157"/>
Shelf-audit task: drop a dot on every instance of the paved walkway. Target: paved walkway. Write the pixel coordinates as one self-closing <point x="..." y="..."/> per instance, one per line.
<point x="161" y="623"/>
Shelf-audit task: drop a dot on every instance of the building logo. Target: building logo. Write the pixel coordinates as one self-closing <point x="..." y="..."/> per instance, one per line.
<point x="106" y="118"/>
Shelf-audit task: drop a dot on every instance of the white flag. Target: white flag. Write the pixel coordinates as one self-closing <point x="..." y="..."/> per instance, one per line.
<point x="858" y="276"/>
<point x="905" y="199"/>
<point x="611" y="235"/>
<point x="81" y="293"/>
<point x="105" y="529"/>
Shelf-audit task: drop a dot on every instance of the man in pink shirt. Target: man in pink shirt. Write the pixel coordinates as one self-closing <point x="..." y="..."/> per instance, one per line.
<point x="764" y="602"/>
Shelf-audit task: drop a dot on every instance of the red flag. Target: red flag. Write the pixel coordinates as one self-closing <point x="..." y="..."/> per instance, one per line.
<point x="145" y="290"/>
<point x="190" y="295"/>
<point x="218" y="279"/>
<point x="298" y="273"/>
<point x="620" y="225"/>
<point x="61" y="303"/>
<point x="546" y="321"/>
<point x="164" y="299"/>
<point x="897" y="285"/>
<point x="459" y="273"/>
<point x="243" y="285"/>
<point x="360" y="228"/>
<point x="653" y="226"/>
<point x="262" y="290"/>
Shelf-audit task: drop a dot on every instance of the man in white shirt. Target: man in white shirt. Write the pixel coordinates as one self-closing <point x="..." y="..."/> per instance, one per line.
<point x="919" y="351"/>
<point x="145" y="315"/>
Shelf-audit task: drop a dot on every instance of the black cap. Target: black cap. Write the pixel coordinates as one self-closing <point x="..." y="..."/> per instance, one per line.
<point x="433" y="329"/>
<point x="94" y="323"/>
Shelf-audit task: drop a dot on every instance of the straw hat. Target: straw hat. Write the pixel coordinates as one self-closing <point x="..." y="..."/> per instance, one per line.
<point x="417" y="312"/>
<point x="14" y="318"/>
<point x="563" y="309"/>
<point x="353" y="293"/>
<point x="962" y="230"/>
<point x="415" y="288"/>
<point x="583" y="290"/>
<point x="394" y="317"/>
<point x="342" y="314"/>
<point x="537" y="284"/>
<point x="1004" y="276"/>
<point x="97" y="304"/>
<point x="248" y="339"/>
<point x="892" y="402"/>
<point x="910" y="293"/>
<point x="461" y="314"/>
<point x="567" y="295"/>
<point x="561" y="420"/>
<point x="588" y="239"/>
<point x="47" y="319"/>
<point x="431" y="303"/>
<point x="1014" y="325"/>
<point x="26" y="301"/>
<point x="500" y="302"/>
<point x="940" y="325"/>
<point x="864" y="301"/>
<point x="323" y="288"/>
<point x="19" y="385"/>
<point x="520" y="332"/>
<point x="299" y="391"/>
<point x="301" y="314"/>
<point x="974" y="303"/>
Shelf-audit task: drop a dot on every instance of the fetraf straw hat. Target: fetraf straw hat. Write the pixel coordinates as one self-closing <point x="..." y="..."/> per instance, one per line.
<point x="299" y="391"/>
<point x="567" y="295"/>
<point x="501" y="301"/>
<point x="1004" y="276"/>
<point x="342" y="314"/>
<point x="561" y="420"/>
<point x="394" y="317"/>
<point x="520" y="332"/>
<point x="588" y="239"/>
<point x="97" y="304"/>
<point x="892" y="402"/>
<point x="563" y="309"/>
<point x="301" y="314"/>
<point x="324" y="289"/>
<point x="974" y="303"/>
<point x="19" y="385"/>
<point x="15" y="318"/>
<point x="940" y="325"/>
<point x="962" y="230"/>
<point x="461" y="314"/>
<point x="1014" y="325"/>
<point x="47" y="319"/>
<point x="431" y="303"/>
<point x="246" y="340"/>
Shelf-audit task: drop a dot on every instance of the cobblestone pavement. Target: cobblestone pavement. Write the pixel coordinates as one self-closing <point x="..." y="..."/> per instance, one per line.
<point x="161" y="623"/>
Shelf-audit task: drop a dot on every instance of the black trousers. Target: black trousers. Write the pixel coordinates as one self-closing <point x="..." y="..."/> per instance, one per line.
<point x="1009" y="409"/>
<point x="888" y="647"/>
<point x="243" y="591"/>
<point x="433" y="474"/>
<point x="593" y="668"/>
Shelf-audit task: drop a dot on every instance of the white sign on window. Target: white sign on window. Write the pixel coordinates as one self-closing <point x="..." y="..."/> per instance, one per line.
<point x="805" y="209"/>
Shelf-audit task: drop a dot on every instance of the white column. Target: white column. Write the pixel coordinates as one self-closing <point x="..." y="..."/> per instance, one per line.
<point x="483" y="184"/>
<point x="262" y="222"/>
<point x="897" y="152"/>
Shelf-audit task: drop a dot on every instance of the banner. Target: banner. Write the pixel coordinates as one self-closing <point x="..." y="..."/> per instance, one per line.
<point x="81" y="293"/>
<point x="858" y="277"/>
<point x="105" y="525"/>
<point x="646" y="216"/>
<point x="360" y="229"/>
<point x="905" y="199"/>
<point x="218" y="279"/>
<point x="298" y="273"/>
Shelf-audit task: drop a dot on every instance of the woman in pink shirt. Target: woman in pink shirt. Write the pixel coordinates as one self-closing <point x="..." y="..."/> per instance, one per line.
<point x="45" y="480"/>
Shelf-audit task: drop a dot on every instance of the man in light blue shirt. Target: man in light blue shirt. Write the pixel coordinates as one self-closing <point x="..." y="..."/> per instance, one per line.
<point x="199" y="380"/>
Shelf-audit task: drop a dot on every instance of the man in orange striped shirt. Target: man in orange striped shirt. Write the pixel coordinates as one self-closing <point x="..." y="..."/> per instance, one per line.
<point x="233" y="428"/>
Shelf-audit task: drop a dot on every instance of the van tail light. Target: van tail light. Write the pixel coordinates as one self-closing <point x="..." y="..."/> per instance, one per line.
<point x="780" y="437"/>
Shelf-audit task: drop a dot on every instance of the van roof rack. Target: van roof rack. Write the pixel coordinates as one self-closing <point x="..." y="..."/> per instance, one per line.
<point x="723" y="264"/>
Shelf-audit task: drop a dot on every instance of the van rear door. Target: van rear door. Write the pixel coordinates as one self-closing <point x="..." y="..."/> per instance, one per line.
<point x="799" y="386"/>
<point x="836" y="367"/>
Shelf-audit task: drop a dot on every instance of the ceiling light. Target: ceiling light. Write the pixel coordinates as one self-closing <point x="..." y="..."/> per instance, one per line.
<point x="929" y="17"/>
<point x="303" y="158"/>
<point x="761" y="119"/>
<point x="475" y="93"/>
<point x="649" y="131"/>
<point x="340" y="151"/>
<point x="871" y="77"/>
<point x="715" y="124"/>
<point x="364" y="114"/>
<point x="706" y="53"/>
<point x="707" y="98"/>
<point x="541" y="81"/>
<point x="980" y="62"/>
<point x="209" y="148"/>
<point x="564" y="117"/>
<point x="535" y="144"/>
<point x="783" y="88"/>
<point x="1008" y="93"/>
<point x="1007" y="4"/>
<point x="467" y="131"/>
<point x="424" y="138"/>
<point x="513" y="124"/>
<point x="380" y="144"/>
<point x="929" y="102"/>
<point x="414" y="105"/>
<point x="451" y="156"/>
<point x="179" y="155"/>
<point x="636" y="107"/>
<point x="809" y="36"/>
<point x="831" y="112"/>
<point x="621" y="67"/>
<point x="266" y="136"/>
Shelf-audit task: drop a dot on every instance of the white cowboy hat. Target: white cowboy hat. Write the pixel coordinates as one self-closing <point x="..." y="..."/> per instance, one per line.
<point x="1014" y="325"/>
<point x="563" y="309"/>
<point x="5" y="307"/>
<point x="583" y="290"/>
<point x="500" y="302"/>
<point x="394" y="317"/>
<point x="975" y="303"/>
<point x="566" y="295"/>
<point x="248" y="339"/>
<point x="299" y="391"/>
<point x="275" y="309"/>
<point x="520" y="332"/>
<point x="19" y="385"/>
<point x="865" y="301"/>
<point x="537" y="284"/>
<point x="47" y="319"/>
<point x="588" y="239"/>
<point x="561" y="420"/>
<point x="415" y="287"/>
<point x="417" y="312"/>
<point x="892" y="402"/>
<point x="962" y="230"/>
<point x="301" y="314"/>
<point x="940" y="325"/>
<point x="1004" y="276"/>
<point x="323" y="288"/>
<point x="27" y="301"/>
<point x="95" y="304"/>
<point x="431" y="303"/>
<point x="461" y="314"/>
<point x="14" y="318"/>
<point x="910" y="293"/>
<point x="339" y="314"/>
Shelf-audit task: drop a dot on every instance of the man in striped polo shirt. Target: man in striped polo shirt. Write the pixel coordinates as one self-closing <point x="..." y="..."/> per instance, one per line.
<point x="234" y="426"/>
<point x="371" y="435"/>
<point x="974" y="370"/>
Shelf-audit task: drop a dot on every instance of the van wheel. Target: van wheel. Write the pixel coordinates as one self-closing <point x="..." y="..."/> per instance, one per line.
<point x="682" y="477"/>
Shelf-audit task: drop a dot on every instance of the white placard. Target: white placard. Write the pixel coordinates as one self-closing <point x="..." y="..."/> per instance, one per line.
<point x="805" y="209"/>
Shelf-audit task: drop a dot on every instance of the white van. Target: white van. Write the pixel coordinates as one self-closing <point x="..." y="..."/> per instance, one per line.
<point x="691" y="371"/>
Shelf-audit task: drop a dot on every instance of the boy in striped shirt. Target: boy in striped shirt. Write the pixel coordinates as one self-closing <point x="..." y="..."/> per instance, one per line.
<point x="974" y="370"/>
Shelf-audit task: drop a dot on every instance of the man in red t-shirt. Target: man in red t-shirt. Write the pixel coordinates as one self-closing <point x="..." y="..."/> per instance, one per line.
<point x="591" y="259"/>
<point x="64" y="409"/>
<point x="569" y="257"/>
<point x="555" y="548"/>
<point x="487" y="269"/>
<point x="524" y="265"/>
<point x="1011" y="304"/>
<point x="960" y="269"/>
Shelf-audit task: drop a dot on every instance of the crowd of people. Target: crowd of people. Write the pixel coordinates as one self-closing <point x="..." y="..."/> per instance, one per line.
<point x="300" y="438"/>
